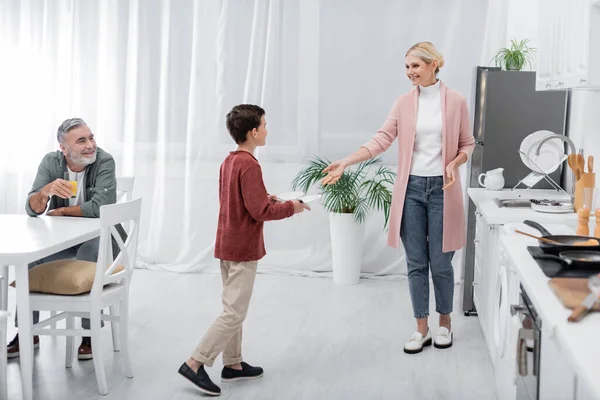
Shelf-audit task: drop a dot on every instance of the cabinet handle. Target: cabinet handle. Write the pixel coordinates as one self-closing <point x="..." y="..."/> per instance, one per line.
<point x="548" y="85"/>
<point x="582" y="80"/>
<point x="518" y="309"/>
<point x="524" y="335"/>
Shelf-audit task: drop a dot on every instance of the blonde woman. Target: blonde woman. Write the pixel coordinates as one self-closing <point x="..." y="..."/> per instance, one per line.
<point x="431" y="123"/>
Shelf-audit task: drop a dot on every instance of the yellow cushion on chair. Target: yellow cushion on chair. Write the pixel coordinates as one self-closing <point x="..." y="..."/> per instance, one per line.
<point x="66" y="277"/>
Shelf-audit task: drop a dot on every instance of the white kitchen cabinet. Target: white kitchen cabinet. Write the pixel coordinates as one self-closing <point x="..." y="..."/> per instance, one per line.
<point x="485" y="277"/>
<point x="568" y="52"/>
<point x="582" y="392"/>
<point x="557" y="377"/>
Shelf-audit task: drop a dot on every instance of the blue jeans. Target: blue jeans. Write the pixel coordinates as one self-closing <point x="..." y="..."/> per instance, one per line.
<point x="422" y="232"/>
<point x="86" y="251"/>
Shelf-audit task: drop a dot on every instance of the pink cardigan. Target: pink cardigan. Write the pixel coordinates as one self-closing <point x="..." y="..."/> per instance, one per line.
<point x="456" y="137"/>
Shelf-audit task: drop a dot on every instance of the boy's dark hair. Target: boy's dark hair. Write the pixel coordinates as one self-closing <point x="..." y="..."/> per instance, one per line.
<point x="241" y="119"/>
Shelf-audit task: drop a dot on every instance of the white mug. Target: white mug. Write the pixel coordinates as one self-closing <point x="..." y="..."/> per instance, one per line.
<point x="494" y="180"/>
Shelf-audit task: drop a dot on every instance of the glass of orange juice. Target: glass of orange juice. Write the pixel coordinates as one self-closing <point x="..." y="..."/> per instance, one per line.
<point x="73" y="185"/>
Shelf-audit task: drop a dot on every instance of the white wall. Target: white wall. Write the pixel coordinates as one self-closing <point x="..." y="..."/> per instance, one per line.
<point x="584" y="124"/>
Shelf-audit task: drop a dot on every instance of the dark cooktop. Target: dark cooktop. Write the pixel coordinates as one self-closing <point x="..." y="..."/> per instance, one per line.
<point x="554" y="269"/>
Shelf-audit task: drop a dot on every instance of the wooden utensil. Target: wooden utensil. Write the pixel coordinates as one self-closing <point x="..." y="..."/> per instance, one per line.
<point x="582" y="309"/>
<point x="580" y="163"/>
<point x="572" y="161"/>
<point x="589" y="242"/>
<point x="541" y="239"/>
<point x="590" y="163"/>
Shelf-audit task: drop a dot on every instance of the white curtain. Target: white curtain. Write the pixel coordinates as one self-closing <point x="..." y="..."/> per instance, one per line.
<point x="155" y="78"/>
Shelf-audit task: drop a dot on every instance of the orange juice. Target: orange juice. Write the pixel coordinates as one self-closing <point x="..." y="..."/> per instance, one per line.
<point x="73" y="189"/>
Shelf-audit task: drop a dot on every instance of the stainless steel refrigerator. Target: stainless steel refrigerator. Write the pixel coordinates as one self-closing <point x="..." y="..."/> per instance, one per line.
<point x="506" y="108"/>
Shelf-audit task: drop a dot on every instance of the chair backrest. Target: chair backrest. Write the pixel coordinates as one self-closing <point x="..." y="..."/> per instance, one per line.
<point x="124" y="188"/>
<point x="111" y="215"/>
<point x="125" y="192"/>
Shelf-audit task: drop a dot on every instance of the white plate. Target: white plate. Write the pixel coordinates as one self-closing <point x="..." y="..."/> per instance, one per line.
<point x="290" y="196"/>
<point x="310" y="197"/>
<point x="564" y="208"/>
<point x="551" y="154"/>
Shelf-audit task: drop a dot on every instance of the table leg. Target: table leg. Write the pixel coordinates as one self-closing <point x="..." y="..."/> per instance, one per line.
<point x="25" y="330"/>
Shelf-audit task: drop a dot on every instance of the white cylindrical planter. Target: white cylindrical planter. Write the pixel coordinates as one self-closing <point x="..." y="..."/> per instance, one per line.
<point x="346" y="248"/>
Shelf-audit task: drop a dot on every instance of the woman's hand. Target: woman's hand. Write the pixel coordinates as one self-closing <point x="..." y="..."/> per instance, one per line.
<point x="450" y="174"/>
<point x="334" y="172"/>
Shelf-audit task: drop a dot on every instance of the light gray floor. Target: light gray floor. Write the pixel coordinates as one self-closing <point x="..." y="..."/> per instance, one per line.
<point x="315" y="340"/>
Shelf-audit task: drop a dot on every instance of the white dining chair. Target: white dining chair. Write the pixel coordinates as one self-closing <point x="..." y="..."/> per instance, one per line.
<point x="124" y="193"/>
<point x="3" y="377"/>
<point x="110" y="289"/>
<point x="125" y="188"/>
<point x="3" y="287"/>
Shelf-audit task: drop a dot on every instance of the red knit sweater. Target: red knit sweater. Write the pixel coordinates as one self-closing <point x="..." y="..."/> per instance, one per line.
<point x="244" y="206"/>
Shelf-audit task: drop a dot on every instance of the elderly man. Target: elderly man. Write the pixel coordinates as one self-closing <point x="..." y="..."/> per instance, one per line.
<point x="80" y="160"/>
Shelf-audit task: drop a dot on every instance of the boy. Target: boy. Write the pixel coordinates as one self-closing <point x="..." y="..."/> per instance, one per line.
<point x="244" y="206"/>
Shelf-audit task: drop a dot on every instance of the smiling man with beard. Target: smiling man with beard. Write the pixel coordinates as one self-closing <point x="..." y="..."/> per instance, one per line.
<point x="80" y="160"/>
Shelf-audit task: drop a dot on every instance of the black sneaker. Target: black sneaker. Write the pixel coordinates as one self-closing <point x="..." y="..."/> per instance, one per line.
<point x="247" y="372"/>
<point x="200" y="379"/>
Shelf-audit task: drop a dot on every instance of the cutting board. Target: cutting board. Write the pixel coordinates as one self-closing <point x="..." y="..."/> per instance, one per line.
<point x="571" y="291"/>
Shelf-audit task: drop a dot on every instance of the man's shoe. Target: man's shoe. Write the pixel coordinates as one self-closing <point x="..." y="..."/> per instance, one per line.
<point x="247" y="372"/>
<point x="200" y="379"/>
<point x="12" y="350"/>
<point x="84" y="352"/>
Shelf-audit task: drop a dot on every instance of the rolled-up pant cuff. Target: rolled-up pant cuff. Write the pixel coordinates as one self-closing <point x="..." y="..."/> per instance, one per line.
<point x="444" y="312"/>
<point x="232" y="361"/>
<point x="202" y="359"/>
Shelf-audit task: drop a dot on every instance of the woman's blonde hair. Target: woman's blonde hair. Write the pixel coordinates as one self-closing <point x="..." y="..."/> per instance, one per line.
<point x="427" y="52"/>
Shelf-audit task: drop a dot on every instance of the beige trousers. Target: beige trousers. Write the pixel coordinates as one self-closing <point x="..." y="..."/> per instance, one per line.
<point x="225" y="334"/>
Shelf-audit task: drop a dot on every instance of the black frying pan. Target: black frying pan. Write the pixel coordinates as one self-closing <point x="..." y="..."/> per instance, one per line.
<point x="566" y="241"/>
<point x="579" y="259"/>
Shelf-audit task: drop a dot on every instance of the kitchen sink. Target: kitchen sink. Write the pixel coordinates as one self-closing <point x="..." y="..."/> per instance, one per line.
<point x="512" y="203"/>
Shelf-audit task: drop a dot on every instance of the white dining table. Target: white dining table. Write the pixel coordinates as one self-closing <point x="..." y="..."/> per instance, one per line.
<point x="25" y="239"/>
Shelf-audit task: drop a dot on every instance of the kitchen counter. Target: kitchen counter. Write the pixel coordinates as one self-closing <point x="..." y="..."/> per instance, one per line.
<point x="494" y="215"/>
<point x="581" y="341"/>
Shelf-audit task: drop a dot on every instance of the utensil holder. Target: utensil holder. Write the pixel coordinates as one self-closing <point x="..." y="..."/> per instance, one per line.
<point x="588" y="179"/>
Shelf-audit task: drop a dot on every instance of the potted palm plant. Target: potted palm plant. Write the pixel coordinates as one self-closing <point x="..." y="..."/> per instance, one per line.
<point x="513" y="58"/>
<point x="349" y="201"/>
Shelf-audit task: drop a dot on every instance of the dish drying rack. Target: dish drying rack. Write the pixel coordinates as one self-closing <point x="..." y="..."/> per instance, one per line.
<point x="534" y="177"/>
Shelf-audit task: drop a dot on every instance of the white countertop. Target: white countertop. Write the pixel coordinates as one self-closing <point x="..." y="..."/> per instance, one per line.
<point x="484" y="200"/>
<point x="580" y="340"/>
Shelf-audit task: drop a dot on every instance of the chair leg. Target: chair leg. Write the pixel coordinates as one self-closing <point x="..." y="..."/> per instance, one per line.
<point x="124" y="331"/>
<point x="53" y="314"/>
<point x="4" y="288"/>
<point x="70" y="348"/>
<point x="114" y="326"/>
<point x="3" y="369"/>
<point x="97" y="348"/>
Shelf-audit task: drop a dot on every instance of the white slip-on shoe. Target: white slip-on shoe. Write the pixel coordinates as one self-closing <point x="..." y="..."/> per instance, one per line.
<point x="443" y="339"/>
<point x="417" y="342"/>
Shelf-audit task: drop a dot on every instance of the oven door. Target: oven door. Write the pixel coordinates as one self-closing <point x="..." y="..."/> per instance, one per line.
<point x="528" y="350"/>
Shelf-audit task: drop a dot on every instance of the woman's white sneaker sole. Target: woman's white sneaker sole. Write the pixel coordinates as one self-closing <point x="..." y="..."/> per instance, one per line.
<point x="446" y="345"/>
<point x="420" y="349"/>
